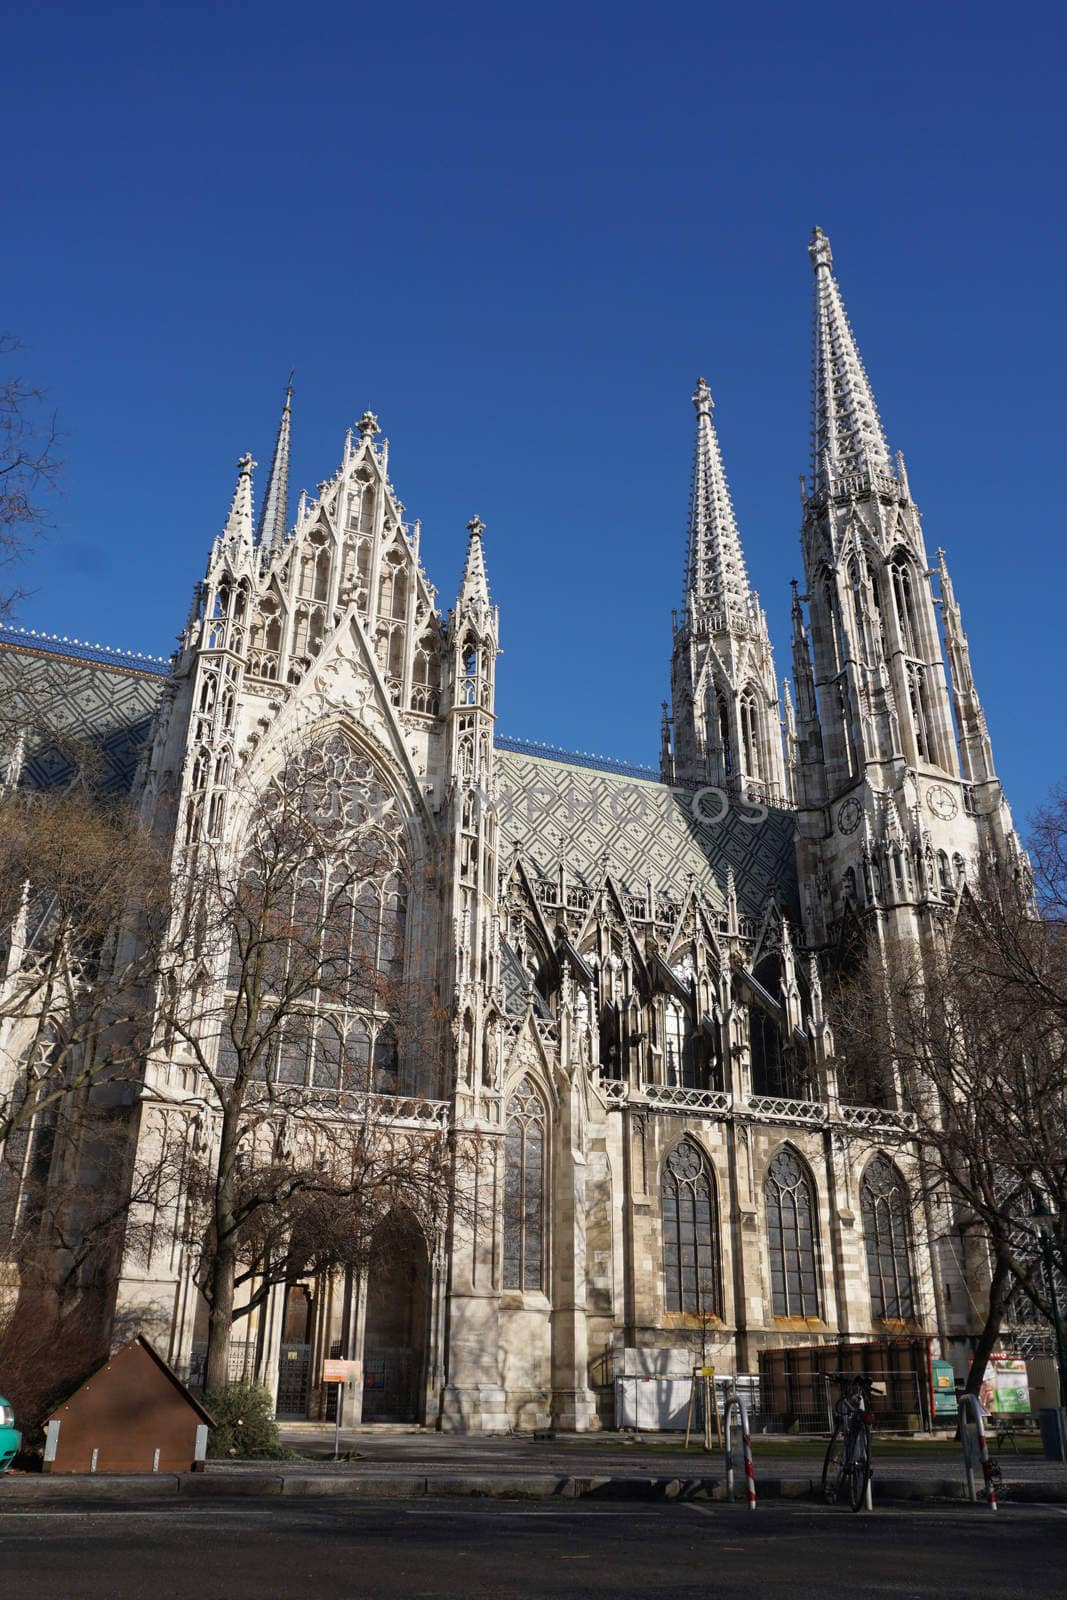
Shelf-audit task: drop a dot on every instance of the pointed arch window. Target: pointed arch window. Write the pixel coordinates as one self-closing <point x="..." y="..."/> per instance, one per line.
<point x="905" y="601"/>
<point x="831" y="623"/>
<point x="765" y="1046"/>
<point x="524" y="1190"/>
<point x="690" y="1234"/>
<point x="677" y="1046"/>
<point x="858" y="606"/>
<point x="791" y="1237"/>
<point x="750" y="734"/>
<point x="469" y="667"/>
<point x="884" y="1209"/>
<point x="364" y="519"/>
<point x="724" y="734"/>
<point x="610" y="1031"/>
<point x="917" y="700"/>
<point x="393" y="588"/>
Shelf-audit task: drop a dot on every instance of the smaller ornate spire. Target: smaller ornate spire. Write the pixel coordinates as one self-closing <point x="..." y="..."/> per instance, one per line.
<point x="792" y="755"/>
<point x="274" y="517"/>
<point x="238" y="527"/>
<point x="815" y="985"/>
<point x="847" y="434"/>
<point x="474" y="588"/>
<point x="732" y="923"/>
<point x="716" y="579"/>
<point x="666" y="754"/>
<point x="368" y="426"/>
<point x="976" y="749"/>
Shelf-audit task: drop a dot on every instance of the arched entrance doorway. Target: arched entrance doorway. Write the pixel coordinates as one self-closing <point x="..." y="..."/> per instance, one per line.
<point x="394" y="1343"/>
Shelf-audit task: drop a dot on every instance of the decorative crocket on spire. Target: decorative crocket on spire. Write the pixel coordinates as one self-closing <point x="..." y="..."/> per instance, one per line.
<point x="274" y="517"/>
<point x="716" y="579"/>
<point x="238" y="529"/>
<point x="847" y="435"/>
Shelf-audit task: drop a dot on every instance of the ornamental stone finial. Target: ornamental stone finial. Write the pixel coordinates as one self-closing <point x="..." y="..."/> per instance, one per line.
<point x="368" y="425"/>
<point x="245" y="465"/>
<point x="819" y="250"/>
<point x="476" y="527"/>
<point x="702" y="398"/>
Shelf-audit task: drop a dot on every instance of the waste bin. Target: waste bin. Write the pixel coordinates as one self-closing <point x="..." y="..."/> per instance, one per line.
<point x="10" y="1437"/>
<point x="1054" y="1432"/>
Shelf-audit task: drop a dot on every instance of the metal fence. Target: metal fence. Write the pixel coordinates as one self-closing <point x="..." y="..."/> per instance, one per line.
<point x="804" y="1402"/>
<point x="241" y="1368"/>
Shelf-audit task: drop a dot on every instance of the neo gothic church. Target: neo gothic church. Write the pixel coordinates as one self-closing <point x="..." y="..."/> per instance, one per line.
<point x="630" y="964"/>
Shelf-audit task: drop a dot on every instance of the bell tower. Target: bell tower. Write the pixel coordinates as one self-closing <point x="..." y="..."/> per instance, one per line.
<point x="890" y="819"/>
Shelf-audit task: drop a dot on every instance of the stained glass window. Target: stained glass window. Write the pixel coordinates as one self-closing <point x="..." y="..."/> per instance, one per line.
<point x="690" y="1229"/>
<point x="791" y="1238"/>
<point x="884" y="1208"/>
<point x="524" y="1190"/>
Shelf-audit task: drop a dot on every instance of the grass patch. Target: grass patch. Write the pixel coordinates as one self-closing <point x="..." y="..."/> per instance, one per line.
<point x="805" y="1449"/>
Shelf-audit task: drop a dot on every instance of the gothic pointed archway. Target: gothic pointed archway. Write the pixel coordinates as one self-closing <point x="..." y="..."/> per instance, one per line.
<point x="394" y="1343"/>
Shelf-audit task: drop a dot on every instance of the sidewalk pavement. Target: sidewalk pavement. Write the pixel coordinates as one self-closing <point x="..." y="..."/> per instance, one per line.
<point x="402" y="1463"/>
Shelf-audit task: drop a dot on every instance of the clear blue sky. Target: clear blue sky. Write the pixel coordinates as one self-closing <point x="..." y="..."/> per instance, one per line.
<point x="519" y="237"/>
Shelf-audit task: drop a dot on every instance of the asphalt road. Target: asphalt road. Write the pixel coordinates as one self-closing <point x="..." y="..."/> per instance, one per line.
<point x="318" y="1550"/>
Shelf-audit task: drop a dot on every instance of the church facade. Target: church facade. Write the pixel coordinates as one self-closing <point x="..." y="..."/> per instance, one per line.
<point x="631" y="961"/>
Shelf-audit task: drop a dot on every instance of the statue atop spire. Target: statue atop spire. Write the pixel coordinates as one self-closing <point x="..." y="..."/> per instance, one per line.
<point x="716" y="580"/>
<point x="847" y="434"/>
<point x="274" y="517"/>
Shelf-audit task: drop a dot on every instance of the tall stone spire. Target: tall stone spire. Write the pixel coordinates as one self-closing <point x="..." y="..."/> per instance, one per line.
<point x="274" y="517"/>
<point x="238" y="529"/>
<point x="724" y="694"/>
<point x="716" y="580"/>
<point x="847" y="434"/>
<point x="897" y="798"/>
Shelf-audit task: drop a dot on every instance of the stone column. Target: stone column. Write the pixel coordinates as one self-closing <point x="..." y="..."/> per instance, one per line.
<point x="573" y="1402"/>
<point x="474" y="1401"/>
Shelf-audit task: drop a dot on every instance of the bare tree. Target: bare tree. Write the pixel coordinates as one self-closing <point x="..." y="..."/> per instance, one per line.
<point x="82" y="906"/>
<point x="967" y="1042"/>
<point x="81" y="1205"/>
<point x="326" y="1192"/>
<point x="288" y="992"/>
<point x="29" y="466"/>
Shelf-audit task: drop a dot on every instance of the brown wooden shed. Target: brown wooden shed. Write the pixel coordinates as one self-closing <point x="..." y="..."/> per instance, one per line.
<point x="133" y="1414"/>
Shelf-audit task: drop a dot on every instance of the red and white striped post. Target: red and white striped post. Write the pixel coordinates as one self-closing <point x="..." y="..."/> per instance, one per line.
<point x="983" y="1450"/>
<point x="733" y="1401"/>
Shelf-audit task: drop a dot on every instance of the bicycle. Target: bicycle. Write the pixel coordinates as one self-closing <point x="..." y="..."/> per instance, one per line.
<point x="847" y="1466"/>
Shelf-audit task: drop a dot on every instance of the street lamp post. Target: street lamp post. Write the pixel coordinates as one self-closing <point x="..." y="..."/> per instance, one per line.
<point x="1044" y="1222"/>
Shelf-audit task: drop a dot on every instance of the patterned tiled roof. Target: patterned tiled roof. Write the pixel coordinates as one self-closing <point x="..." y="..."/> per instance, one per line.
<point x="641" y="829"/>
<point x="55" y="644"/>
<point x="102" y="701"/>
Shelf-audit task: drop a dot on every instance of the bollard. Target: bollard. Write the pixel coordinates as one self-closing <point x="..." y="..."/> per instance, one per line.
<point x="983" y="1451"/>
<point x="733" y="1401"/>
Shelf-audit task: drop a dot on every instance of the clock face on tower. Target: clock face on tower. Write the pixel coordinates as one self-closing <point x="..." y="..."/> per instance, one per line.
<point x="849" y="814"/>
<point x="942" y="801"/>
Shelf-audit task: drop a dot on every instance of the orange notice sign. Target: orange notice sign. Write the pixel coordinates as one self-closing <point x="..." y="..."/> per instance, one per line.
<point x="341" y="1371"/>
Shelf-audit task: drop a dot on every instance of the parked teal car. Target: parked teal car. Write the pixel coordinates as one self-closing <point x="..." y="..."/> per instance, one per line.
<point x="10" y="1437"/>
